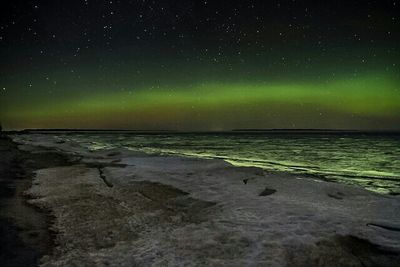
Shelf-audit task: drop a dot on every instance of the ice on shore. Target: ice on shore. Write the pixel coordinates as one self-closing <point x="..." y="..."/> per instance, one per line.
<point x="123" y="208"/>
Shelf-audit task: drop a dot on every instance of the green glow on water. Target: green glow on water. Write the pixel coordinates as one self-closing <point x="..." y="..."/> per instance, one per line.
<point x="369" y="161"/>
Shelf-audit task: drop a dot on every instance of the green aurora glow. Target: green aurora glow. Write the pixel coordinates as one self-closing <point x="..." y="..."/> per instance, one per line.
<point x="369" y="102"/>
<point x="200" y="65"/>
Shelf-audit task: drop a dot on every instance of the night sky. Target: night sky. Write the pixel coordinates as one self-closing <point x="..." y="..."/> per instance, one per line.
<point x="200" y="65"/>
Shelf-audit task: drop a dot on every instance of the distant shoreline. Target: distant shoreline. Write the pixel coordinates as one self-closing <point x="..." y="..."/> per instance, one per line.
<point x="234" y="131"/>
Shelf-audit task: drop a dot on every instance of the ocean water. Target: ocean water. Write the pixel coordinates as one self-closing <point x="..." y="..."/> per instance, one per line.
<point x="368" y="160"/>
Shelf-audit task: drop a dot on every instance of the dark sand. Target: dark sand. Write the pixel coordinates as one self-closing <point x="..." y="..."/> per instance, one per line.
<point x="24" y="229"/>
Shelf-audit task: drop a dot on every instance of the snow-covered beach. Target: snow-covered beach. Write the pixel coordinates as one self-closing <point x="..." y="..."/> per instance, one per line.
<point x="118" y="207"/>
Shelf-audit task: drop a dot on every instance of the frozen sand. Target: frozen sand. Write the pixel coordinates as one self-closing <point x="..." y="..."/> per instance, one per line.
<point x="123" y="208"/>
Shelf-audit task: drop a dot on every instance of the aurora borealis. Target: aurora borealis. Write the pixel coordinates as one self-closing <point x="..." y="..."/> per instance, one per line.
<point x="200" y="65"/>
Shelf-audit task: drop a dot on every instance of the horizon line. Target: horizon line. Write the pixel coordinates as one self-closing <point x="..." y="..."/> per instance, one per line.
<point x="244" y="130"/>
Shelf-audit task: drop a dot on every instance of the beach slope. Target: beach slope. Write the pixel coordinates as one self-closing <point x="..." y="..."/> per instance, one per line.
<point x="124" y="208"/>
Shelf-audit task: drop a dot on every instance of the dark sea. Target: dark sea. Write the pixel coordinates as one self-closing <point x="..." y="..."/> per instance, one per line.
<point x="368" y="160"/>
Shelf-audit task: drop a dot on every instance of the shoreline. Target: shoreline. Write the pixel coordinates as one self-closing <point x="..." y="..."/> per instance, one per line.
<point x="124" y="208"/>
<point x="26" y="229"/>
<point x="371" y="164"/>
